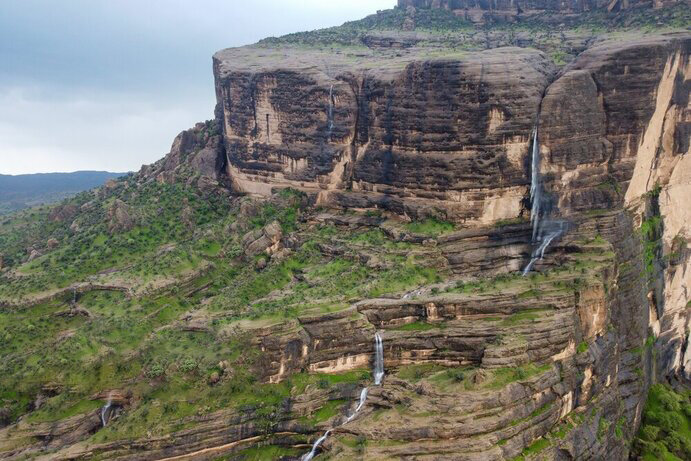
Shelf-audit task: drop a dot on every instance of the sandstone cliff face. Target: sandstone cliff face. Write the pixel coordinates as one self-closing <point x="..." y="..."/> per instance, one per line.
<point x="446" y="137"/>
<point x="450" y="137"/>
<point x="504" y="10"/>
<point x="614" y="127"/>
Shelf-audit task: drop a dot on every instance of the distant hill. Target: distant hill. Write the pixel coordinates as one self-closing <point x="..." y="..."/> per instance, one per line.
<point x="27" y="190"/>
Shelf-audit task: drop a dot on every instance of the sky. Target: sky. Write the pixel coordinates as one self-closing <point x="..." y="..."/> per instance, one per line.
<point x="108" y="84"/>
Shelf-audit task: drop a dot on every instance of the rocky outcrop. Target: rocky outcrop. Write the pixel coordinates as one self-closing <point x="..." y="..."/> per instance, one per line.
<point x="196" y="157"/>
<point x="63" y="213"/>
<point x="265" y="240"/>
<point x="119" y="217"/>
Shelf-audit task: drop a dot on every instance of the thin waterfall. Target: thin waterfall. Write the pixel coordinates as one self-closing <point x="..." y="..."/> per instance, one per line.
<point x="105" y="410"/>
<point x="535" y="185"/>
<point x="378" y="376"/>
<point x="545" y="230"/>
<point x="545" y="240"/>
<point x="378" y="359"/>
<point x="315" y="447"/>
<point x="330" y="114"/>
<point x="361" y="404"/>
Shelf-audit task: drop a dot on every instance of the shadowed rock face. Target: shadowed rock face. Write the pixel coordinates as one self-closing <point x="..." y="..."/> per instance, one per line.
<point x="503" y="10"/>
<point x="444" y="137"/>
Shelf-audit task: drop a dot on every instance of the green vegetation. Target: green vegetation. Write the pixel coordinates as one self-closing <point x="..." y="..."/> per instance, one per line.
<point x="182" y="257"/>
<point x="263" y="453"/>
<point x="651" y="231"/>
<point x="665" y="432"/>
<point x="416" y="372"/>
<point x="532" y="449"/>
<point x="431" y="227"/>
<point x="160" y="214"/>
<point x="523" y="317"/>
<point x="500" y="377"/>
<point x="328" y="411"/>
<point x="419" y="326"/>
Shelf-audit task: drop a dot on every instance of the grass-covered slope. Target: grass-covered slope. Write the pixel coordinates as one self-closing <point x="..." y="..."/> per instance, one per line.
<point x="180" y="255"/>
<point x="436" y="33"/>
<point x="169" y="303"/>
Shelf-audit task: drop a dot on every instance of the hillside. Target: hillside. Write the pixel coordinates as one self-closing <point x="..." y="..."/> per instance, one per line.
<point x="28" y="190"/>
<point x="441" y="232"/>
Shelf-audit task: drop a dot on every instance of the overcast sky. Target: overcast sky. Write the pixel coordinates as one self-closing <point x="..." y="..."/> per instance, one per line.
<point x="107" y="84"/>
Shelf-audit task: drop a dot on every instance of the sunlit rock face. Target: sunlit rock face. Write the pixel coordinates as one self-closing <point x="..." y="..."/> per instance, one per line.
<point x="615" y="134"/>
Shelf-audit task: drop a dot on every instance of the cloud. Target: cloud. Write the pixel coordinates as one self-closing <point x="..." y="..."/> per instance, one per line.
<point x="97" y="131"/>
<point x="102" y="84"/>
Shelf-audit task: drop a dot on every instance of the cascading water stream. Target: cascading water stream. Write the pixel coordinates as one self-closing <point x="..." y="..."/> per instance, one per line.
<point x="378" y="377"/>
<point x="315" y="447"/>
<point x="378" y="359"/>
<point x="545" y="231"/>
<point x="535" y="185"/>
<point x="105" y="410"/>
<point x="361" y="404"/>
<point x="330" y="114"/>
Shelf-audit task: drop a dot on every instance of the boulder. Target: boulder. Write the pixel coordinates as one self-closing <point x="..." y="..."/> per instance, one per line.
<point x="63" y="213"/>
<point x="265" y="240"/>
<point x="119" y="217"/>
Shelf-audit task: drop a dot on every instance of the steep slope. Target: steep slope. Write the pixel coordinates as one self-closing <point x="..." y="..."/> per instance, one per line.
<point x="366" y="202"/>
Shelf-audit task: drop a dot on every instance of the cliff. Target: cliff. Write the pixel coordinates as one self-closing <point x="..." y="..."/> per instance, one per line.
<point x="510" y="10"/>
<point x="492" y="218"/>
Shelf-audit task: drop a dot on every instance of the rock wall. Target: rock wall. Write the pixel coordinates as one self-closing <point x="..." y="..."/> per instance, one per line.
<point x="510" y="10"/>
<point x="451" y="138"/>
<point x="447" y="137"/>
<point x="615" y="131"/>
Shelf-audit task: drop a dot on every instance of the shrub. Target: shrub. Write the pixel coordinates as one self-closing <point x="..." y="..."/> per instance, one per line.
<point x="649" y="432"/>
<point x="188" y="365"/>
<point x="156" y="370"/>
<point x="456" y="375"/>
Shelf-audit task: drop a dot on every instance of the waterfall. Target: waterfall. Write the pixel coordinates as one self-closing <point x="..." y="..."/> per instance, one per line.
<point x="330" y="115"/>
<point x="315" y="447"/>
<point x="378" y="376"/>
<point x="105" y="410"/>
<point x="378" y="359"/>
<point x="361" y="404"/>
<point x="74" y="296"/>
<point x="363" y="399"/>
<point x="535" y="185"/>
<point x="545" y="230"/>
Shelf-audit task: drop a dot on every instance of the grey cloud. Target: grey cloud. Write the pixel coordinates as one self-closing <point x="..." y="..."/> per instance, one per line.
<point x="96" y="84"/>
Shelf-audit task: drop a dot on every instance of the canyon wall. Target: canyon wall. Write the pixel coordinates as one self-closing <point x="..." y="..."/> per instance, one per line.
<point x="451" y="138"/>
<point x="511" y="10"/>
